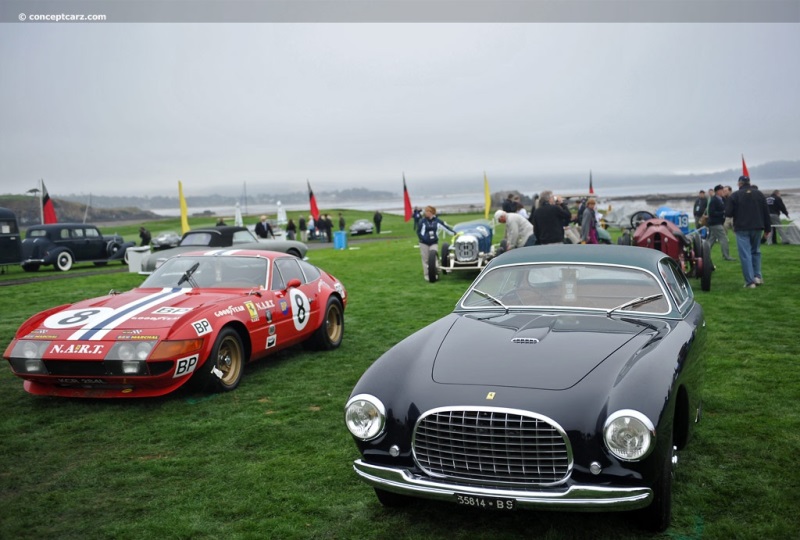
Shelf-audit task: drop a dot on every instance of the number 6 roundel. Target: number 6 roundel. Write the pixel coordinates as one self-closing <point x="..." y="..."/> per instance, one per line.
<point x="301" y="308"/>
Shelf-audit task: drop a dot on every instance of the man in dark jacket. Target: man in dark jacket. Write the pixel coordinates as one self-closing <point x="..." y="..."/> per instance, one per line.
<point x="776" y="206"/>
<point x="700" y="207"/>
<point x="748" y="209"/>
<point x="550" y="219"/>
<point x="716" y="222"/>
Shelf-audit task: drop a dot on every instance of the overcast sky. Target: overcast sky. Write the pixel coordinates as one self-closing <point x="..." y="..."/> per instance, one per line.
<point x="132" y="108"/>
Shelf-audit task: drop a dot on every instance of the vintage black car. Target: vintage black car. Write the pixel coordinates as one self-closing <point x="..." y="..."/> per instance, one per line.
<point x="9" y="238"/>
<point x="566" y="378"/>
<point x="62" y="244"/>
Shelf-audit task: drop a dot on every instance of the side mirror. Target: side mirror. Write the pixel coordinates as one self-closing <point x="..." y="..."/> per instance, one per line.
<point x="293" y="284"/>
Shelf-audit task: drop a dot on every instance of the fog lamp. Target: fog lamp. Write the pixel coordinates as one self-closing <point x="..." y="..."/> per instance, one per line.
<point x="132" y="367"/>
<point x="34" y="365"/>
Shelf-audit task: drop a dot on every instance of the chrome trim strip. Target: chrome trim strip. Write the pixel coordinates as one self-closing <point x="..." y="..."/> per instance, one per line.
<point x="404" y="482"/>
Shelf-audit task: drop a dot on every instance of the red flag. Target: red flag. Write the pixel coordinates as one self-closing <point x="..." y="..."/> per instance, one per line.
<point x="406" y="200"/>
<point x="591" y="189"/>
<point x="48" y="210"/>
<point x="313" y="202"/>
<point x="744" y="168"/>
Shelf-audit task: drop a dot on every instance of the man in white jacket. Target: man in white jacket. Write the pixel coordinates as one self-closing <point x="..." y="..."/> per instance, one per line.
<point x="519" y="231"/>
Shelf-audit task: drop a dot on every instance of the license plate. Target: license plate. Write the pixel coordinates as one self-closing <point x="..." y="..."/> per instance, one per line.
<point x="487" y="503"/>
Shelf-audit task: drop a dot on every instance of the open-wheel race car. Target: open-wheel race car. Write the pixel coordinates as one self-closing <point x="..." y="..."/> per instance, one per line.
<point x="691" y="251"/>
<point x="471" y="249"/>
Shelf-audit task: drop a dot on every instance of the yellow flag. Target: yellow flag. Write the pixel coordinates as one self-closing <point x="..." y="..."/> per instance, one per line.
<point x="184" y="210"/>
<point x="487" y="196"/>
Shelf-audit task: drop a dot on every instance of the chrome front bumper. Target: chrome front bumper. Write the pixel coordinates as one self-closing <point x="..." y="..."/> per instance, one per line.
<point x="575" y="498"/>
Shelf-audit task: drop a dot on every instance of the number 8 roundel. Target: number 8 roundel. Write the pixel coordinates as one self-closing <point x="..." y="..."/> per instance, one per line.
<point x="301" y="308"/>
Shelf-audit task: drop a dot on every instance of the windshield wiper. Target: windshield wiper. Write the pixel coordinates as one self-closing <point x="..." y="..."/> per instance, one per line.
<point x="636" y="302"/>
<point x="492" y="298"/>
<point x="187" y="276"/>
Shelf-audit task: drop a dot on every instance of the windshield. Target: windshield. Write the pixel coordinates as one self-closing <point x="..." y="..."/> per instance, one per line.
<point x="210" y="272"/>
<point x="569" y="286"/>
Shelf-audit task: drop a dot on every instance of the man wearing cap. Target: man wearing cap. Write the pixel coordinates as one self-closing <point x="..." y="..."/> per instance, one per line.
<point x="716" y="220"/>
<point x="519" y="231"/>
<point x="748" y="208"/>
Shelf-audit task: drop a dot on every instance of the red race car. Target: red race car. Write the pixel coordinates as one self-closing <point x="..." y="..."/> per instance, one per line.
<point x="198" y="319"/>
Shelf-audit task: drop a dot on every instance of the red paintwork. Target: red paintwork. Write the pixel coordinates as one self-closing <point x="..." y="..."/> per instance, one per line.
<point x="167" y="314"/>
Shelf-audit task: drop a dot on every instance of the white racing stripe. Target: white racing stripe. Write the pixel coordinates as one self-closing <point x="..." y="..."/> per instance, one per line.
<point x="99" y="329"/>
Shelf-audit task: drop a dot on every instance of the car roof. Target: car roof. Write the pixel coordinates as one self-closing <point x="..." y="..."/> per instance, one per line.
<point x="635" y="256"/>
<point x="233" y="252"/>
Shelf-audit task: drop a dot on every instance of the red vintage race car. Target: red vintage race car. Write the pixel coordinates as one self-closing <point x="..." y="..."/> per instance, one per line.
<point x="198" y="319"/>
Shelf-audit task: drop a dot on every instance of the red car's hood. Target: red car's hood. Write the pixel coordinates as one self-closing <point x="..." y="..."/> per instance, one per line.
<point x="550" y="352"/>
<point x="133" y="311"/>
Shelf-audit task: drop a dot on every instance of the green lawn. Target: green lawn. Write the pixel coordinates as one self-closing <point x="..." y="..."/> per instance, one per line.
<point x="273" y="458"/>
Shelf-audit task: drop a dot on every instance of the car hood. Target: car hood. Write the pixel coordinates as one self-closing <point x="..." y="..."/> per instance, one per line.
<point x="137" y="311"/>
<point x="550" y="352"/>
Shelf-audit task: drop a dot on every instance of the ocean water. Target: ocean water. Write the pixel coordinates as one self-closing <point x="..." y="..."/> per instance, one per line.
<point x="630" y="196"/>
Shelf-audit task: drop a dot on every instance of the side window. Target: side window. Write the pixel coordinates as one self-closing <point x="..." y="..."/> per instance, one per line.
<point x="290" y="269"/>
<point x="64" y="233"/>
<point x="77" y="233"/>
<point x="37" y="233"/>
<point x="676" y="281"/>
<point x="311" y="272"/>
<point x="242" y="237"/>
<point x="277" y="283"/>
<point x="92" y="233"/>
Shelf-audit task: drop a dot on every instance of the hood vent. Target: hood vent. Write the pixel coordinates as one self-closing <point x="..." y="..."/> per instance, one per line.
<point x="525" y="340"/>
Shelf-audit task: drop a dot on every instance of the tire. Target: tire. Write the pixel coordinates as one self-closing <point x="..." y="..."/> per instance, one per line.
<point x="329" y="334"/>
<point x="32" y="267"/>
<point x="433" y="266"/>
<point x="658" y="515"/>
<point x="227" y="358"/>
<point x="112" y="247"/>
<point x="707" y="267"/>
<point x="64" y="261"/>
<point x="639" y="218"/>
<point x="445" y="256"/>
<point x="392" y="500"/>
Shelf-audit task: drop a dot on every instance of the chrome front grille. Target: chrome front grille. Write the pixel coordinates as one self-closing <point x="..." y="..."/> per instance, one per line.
<point x="466" y="249"/>
<point x="492" y="447"/>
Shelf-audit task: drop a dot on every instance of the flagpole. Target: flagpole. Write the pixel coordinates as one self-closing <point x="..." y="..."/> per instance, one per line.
<point x="41" y="200"/>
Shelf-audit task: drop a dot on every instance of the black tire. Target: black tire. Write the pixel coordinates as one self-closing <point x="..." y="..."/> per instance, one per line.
<point x="64" y="261"/>
<point x="707" y="267"/>
<point x="445" y="256"/>
<point x="658" y="515"/>
<point x="433" y="266"/>
<point x="112" y="247"/>
<point x="640" y="217"/>
<point x="392" y="500"/>
<point x="227" y="357"/>
<point x="329" y="334"/>
<point x="31" y="267"/>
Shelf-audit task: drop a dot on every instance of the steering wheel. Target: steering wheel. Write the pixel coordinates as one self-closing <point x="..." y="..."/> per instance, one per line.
<point x="640" y="217"/>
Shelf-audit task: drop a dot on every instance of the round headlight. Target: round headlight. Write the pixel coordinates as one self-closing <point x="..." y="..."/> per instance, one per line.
<point x="126" y="351"/>
<point x="143" y="350"/>
<point x="629" y="435"/>
<point x="365" y="416"/>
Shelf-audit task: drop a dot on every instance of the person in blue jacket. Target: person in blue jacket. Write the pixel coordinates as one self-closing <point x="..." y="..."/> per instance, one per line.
<point x="428" y="234"/>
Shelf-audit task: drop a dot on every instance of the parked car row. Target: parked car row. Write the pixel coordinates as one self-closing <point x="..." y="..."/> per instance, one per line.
<point x="565" y="378"/>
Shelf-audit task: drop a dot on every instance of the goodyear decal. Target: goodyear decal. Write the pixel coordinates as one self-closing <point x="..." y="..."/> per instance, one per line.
<point x="95" y="323"/>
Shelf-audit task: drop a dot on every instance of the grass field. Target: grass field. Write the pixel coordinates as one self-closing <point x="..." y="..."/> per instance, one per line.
<point x="273" y="458"/>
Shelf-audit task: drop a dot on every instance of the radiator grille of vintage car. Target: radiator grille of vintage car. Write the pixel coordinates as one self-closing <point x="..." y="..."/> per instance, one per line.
<point x="466" y="248"/>
<point x="500" y="448"/>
